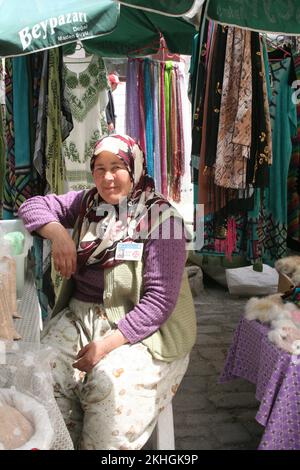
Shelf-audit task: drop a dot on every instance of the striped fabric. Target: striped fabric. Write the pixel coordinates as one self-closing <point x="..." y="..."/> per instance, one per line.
<point x="156" y="87"/>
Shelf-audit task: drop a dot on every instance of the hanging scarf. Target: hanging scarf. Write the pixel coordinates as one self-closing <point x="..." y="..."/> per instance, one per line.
<point x="163" y="130"/>
<point x="142" y="106"/>
<point x="156" y="125"/>
<point x="132" y="100"/>
<point x="100" y="234"/>
<point x="176" y="136"/>
<point x="168" y="70"/>
<point x="258" y="164"/>
<point x="234" y="138"/>
<point x="214" y="95"/>
<point x="148" y="100"/>
<point x="55" y="164"/>
<point x="39" y="162"/>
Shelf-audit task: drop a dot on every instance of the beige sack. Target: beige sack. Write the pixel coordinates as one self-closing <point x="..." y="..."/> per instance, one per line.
<point x="10" y="280"/>
<point x="7" y="329"/>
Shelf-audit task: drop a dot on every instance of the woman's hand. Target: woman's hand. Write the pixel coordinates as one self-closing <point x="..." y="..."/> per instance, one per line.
<point x="93" y="352"/>
<point x="90" y="355"/>
<point x="63" y="248"/>
<point x="64" y="254"/>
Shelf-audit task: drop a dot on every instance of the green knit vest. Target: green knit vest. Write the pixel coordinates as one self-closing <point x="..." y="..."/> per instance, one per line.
<point x="123" y="289"/>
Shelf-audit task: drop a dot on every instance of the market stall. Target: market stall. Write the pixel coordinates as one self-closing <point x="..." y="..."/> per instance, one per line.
<point x="38" y="120"/>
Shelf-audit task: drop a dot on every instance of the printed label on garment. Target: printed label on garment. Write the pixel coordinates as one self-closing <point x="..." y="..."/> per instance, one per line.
<point x="129" y="251"/>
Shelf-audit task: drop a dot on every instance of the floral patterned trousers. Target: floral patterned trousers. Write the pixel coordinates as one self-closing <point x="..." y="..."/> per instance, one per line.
<point x="116" y="405"/>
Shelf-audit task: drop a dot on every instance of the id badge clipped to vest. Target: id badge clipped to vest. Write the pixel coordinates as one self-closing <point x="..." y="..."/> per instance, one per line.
<point x="129" y="251"/>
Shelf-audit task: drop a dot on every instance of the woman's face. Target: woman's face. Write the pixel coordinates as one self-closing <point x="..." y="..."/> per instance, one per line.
<point x="111" y="177"/>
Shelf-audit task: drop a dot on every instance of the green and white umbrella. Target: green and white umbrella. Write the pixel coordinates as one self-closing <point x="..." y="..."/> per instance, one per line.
<point x="114" y="28"/>
<point x="276" y="16"/>
<point x="166" y="7"/>
<point x="31" y="25"/>
<point x="138" y="33"/>
<point x="27" y="26"/>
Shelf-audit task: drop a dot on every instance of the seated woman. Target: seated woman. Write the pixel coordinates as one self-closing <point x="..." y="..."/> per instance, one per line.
<point x="124" y="321"/>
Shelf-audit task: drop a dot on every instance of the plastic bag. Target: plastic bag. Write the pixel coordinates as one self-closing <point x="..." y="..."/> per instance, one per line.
<point x="25" y="369"/>
<point x="245" y="281"/>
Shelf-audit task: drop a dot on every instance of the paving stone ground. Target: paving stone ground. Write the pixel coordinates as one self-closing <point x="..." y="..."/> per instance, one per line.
<point x="209" y="415"/>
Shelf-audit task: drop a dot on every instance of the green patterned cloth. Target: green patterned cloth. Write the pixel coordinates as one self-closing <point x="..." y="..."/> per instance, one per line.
<point x="2" y="160"/>
<point x="55" y="168"/>
<point x="86" y="91"/>
<point x="2" y="140"/>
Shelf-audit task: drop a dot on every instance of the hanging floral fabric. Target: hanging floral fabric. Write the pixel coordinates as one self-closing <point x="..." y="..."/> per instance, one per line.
<point x="2" y="130"/>
<point x="234" y="135"/>
<point x="220" y="203"/>
<point x="260" y="152"/>
<point x="41" y="247"/>
<point x="231" y="105"/>
<point x="214" y="97"/>
<point x="39" y="158"/>
<point x="254" y="231"/>
<point x="86" y="92"/>
<point x="55" y="167"/>
<point x="199" y="79"/>
<point x="51" y="124"/>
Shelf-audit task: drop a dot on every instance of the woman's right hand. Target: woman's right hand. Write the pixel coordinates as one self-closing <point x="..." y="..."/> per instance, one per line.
<point x="63" y="248"/>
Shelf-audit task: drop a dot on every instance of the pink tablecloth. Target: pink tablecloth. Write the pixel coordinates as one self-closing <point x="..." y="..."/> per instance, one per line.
<point x="276" y="374"/>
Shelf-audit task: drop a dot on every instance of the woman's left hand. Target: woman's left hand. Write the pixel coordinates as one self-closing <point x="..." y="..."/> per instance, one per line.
<point x="93" y="352"/>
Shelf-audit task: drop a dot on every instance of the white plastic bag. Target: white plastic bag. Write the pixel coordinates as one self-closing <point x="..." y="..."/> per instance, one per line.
<point x="246" y="281"/>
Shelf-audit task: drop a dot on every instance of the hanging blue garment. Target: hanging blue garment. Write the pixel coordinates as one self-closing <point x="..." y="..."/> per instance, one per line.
<point x="156" y="119"/>
<point x="21" y="113"/>
<point x="18" y="181"/>
<point x="148" y="117"/>
<point x="284" y="125"/>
